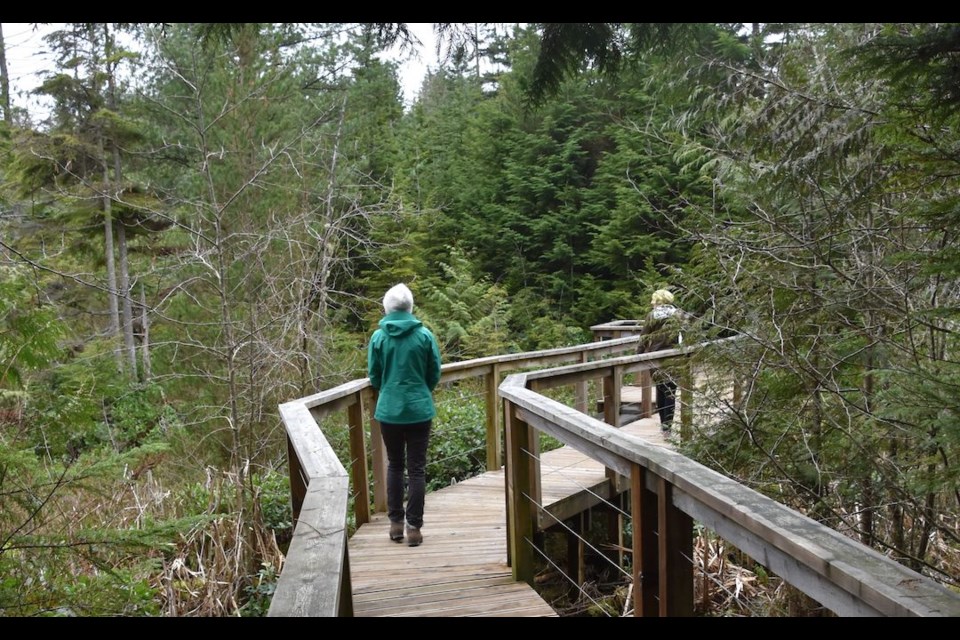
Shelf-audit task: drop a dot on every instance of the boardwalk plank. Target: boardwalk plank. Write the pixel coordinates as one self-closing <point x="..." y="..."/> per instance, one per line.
<point x="460" y="569"/>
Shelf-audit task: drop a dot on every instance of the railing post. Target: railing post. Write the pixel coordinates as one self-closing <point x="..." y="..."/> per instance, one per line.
<point x="580" y="388"/>
<point x="646" y="394"/>
<point x="494" y="457"/>
<point x="520" y="510"/>
<point x="378" y="454"/>
<point x="675" y="545"/>
<point x="686" y="399"/>
<point x="358" y="457"/>
<point x="612" y="384"/>
<point x="646" y="568"/>
<point x="536" y="487"/>
<point x="298" y="488"/>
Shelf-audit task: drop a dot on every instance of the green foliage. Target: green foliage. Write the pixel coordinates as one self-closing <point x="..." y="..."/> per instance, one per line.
<point x="796" y="183"/>
<point x="458" y="448"/>
<point x="468" y="315"/>
<point x="29" y="332"/>
<point x="84" y="403"/>
<point x="93" y="563"/>
<point x="273" y="498"/>
<point x="260" y="593"/>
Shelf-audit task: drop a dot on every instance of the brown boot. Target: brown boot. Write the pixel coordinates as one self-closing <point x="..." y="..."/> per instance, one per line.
<point x="396" y="531"/>
<point x="414" y="537"/>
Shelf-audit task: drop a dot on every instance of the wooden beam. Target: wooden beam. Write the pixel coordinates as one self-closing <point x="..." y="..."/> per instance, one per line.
<point x="378" y="454"/>
<point x="675" y="545"/>
<point x="491" y="382"/>
<point x="646" y="568"/>
<point x="358" y="466"/>
<point x="520" y="513"/>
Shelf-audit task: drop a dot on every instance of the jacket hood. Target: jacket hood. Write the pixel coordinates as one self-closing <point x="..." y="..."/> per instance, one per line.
<point x="399" y="323"/>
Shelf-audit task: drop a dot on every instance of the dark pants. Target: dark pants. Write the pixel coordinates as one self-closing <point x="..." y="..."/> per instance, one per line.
<point x="666" y="402"/>
<point x="406" y="449"/>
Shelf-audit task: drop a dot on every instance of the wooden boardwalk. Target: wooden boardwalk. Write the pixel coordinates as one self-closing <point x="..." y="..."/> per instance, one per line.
<point x="461" y="567"/>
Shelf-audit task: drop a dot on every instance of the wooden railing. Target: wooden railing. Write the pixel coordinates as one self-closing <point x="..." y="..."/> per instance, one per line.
<point x="315" y="579"/>
<point x="668" y="493"/>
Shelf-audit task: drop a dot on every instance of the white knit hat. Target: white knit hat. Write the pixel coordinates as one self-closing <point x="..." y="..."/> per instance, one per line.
<point x="398" y="298"/>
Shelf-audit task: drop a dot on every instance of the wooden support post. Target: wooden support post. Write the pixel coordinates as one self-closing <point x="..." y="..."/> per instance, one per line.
<point x="616" y="526"/>
<point x="520" y="511"/>
<point x="646" y="394"/>
<point x="298" y="488"/>
<point x="358" y="458"/>
<point x="378" y="455"/>
<point x="646" y="568"/>
<point x="580" y="388"/>
<point x="685" y="400"/>
<point x="675" y="544"/>
<point x="492" y="381"/>
<point x="611" y="396"/>
<point x="575" y="546"/>
<point x="612" y="387"/>
<point x="536" y="485"/>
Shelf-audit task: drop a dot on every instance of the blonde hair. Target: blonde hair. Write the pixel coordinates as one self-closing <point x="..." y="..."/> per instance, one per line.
<point x="661" y="296"/>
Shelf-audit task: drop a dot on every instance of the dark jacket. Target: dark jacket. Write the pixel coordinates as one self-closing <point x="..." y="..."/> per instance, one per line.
<point x="403" y="364"/>
<point x="662" y="329"/>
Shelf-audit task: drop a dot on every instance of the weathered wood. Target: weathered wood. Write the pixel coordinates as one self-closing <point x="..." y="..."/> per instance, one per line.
<point x="519" y="440"/>
<point x="675" y="549"/>
<point x="580" y="389"/>
<point x="685" y="401"/>
<point x="460" y="568"/>
<point x="314" y="455"/>
<point x="358" y="455"/>
<point x="491" y="382"/>
<point x="843" y="563"/>
<point x="646" y="567"/>
<point x="298" y="484"/>
<point x="378" y="453"/>
<point x="316" y="564"/>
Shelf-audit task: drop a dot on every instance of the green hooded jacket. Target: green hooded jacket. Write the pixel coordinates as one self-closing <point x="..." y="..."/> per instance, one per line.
<point x="403" y="364"/>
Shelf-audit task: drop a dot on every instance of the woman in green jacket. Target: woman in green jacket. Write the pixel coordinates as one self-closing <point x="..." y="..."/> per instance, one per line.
<point x="403" y="364"/>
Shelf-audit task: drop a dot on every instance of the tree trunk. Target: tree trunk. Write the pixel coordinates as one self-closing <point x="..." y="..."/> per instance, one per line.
<point x="145" y="344"/>
<point x="108" y="249"/>
<point x="125" y="291"/>
<point x="129" y="345"/>
<point x="4" y="81"/>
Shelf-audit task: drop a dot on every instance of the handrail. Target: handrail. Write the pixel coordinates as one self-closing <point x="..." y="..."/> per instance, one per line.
<point x="671" y="491"/>
<point x="315" y="579"/>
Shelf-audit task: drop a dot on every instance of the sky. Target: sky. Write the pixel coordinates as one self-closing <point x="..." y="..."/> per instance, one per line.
<point x="27" y="55"/>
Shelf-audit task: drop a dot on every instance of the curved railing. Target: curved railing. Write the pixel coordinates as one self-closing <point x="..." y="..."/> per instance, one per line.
<point x="668" y="493"/>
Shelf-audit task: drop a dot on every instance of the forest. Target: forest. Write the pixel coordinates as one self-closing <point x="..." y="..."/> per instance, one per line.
<point x="203" y="226"/>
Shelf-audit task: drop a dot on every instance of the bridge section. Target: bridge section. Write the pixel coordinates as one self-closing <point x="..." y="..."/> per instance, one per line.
<point x="461" y="568"/>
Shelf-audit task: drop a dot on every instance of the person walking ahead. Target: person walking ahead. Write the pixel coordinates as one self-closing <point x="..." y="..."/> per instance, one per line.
<point x="403" y="364"/>
<point x="662" y="330"/>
